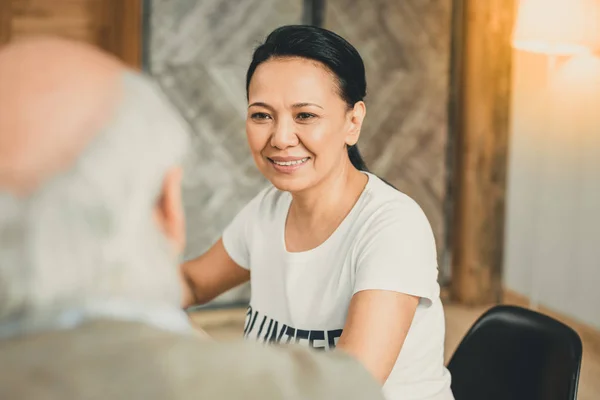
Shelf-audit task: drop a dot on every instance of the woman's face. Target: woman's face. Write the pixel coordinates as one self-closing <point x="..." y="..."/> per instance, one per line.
<point x="298" y="126"/>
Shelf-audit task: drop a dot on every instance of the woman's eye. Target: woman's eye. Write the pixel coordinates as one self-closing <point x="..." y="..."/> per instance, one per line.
<point x="260" y="116"/>
<point x="305" y="116"/>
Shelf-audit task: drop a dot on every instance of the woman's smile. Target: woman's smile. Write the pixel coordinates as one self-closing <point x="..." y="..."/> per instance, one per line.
<point x="287" y="165"/>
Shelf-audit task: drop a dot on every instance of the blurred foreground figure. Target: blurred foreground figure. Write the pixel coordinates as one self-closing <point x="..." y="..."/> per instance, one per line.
<point x="91" y="228"/>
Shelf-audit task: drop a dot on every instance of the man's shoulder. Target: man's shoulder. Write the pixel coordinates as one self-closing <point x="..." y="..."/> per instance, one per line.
<point x="256" y="370"/>
<point x="136" y="360"/>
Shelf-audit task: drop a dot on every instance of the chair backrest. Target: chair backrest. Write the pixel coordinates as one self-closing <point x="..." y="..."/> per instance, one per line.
<point x="512" y="353"/>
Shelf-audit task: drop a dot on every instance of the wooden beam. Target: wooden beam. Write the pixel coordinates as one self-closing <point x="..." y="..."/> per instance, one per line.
<point x="113" y="25"/>
<point x="128" y="28"/>
<point x="120" y="29"/>
<point x="481" y="85"/>
<point x="5" y="21"/>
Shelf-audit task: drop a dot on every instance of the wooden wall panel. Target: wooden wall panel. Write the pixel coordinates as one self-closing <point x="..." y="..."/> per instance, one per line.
<point x="71" y="19"/>
<point x="114" y="25"/>
<point x="482" y="83"/>
<point x="5" y="21"/>
<point x="119" y="28"/>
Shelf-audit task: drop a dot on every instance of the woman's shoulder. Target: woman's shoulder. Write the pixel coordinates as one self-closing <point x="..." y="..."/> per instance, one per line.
<point x="393" y="224"/>
<point x="383" y="198"/>
<point x="388" y="211"/>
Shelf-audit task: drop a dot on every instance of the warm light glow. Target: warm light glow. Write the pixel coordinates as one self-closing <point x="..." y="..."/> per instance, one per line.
<point x="557" y="27"/>
<point x="579" y="77"/>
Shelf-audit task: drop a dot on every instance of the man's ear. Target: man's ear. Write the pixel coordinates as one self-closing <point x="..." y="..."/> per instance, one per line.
<point x="169" y="210"/>
<point x="357" y="116"/>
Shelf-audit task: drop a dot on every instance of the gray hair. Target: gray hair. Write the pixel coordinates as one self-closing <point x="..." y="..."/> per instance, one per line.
<point x="88" y="234"/>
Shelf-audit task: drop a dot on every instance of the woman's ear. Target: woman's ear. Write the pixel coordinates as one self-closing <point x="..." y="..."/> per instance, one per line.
<point x="357" y="116"/>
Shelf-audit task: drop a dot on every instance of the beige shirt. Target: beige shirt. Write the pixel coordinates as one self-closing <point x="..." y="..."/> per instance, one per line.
<point x="107" y="359"/>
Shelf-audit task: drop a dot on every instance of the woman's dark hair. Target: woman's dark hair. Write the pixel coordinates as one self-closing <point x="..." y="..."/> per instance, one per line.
<point x="329" y="49"/>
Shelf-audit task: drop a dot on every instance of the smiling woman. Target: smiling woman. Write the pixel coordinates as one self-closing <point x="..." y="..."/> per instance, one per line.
<point x="337" y="258"/>
<point x="301" y="125"/>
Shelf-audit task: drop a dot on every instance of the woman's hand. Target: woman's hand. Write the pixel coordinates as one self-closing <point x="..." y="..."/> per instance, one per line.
<point x="210" y="275"/>
<point x="376" y="327"/>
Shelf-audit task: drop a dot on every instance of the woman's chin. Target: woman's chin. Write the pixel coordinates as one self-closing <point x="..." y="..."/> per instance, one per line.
<point x="292" y="184"/>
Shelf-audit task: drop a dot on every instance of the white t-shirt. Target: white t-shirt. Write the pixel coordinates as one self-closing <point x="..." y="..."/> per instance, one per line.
<point x="385" y="243"/>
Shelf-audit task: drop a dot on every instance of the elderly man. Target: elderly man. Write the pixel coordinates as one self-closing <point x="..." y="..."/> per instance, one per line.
<point x="91" y="226"/>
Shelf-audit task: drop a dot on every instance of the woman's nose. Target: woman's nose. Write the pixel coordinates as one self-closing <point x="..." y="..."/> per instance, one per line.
<point x="284" y="135"/>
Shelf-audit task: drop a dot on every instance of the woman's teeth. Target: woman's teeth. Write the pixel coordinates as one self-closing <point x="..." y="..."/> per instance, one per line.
<point x="295" y="162"/>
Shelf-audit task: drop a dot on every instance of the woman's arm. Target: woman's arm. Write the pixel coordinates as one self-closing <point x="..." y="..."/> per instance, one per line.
<point x="210" y="275"/>
<point x="396" y="267"/>
<point x="376" y="326"/>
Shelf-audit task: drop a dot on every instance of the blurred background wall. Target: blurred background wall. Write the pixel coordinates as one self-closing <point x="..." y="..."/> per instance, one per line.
<point x="552" y="248"/>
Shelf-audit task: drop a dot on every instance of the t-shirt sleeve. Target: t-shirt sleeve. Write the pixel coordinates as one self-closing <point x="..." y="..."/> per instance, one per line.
<point x="237" y="235"/>
<point x="397" y="252"/>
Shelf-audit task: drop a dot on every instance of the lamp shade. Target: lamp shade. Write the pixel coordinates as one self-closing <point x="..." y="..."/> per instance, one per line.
<point x="557" y="27"/>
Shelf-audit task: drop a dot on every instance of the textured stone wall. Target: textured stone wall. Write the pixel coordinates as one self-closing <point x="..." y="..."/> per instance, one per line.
<point x="406" y="49"/>
<point x="199" y="52"/>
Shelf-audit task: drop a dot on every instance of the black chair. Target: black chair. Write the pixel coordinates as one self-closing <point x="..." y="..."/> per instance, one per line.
<point x="512" y="353"/>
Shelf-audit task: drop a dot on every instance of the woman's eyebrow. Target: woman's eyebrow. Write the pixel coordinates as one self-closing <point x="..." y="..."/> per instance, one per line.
<point x="260" y="104"/>
<point x="299" y="105"/>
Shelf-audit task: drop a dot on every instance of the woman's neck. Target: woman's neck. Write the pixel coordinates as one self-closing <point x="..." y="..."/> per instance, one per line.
<point x="328" y="202"/>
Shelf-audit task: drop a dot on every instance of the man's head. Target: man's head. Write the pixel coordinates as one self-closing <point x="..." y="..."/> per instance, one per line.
<point x="90" y="205"/>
